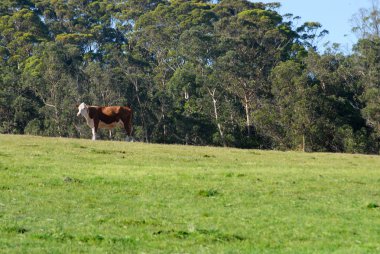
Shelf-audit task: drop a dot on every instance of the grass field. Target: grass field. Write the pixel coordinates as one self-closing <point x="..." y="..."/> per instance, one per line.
<point x="77" y="196"/>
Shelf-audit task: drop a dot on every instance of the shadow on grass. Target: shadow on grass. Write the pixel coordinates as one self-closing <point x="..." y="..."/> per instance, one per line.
<point x="207" y="235"/>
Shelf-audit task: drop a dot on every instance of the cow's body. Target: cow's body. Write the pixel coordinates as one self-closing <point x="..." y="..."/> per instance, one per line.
<point x="107" y="118"/>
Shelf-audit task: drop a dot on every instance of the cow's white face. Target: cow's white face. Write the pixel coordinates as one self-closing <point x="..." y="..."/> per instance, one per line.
<point x="82" y="110"/>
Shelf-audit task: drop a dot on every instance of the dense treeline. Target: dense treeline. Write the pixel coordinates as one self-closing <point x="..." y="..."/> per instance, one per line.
<point x="228" y="73"/>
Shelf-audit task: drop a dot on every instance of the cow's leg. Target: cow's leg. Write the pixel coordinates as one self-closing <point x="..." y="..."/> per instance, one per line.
<point x="95" y="128"/>
<point x="128" y="129"/>
<point x="110" y="132"/>
<point x="129" y="139"/>
<point x="93" y="133"/>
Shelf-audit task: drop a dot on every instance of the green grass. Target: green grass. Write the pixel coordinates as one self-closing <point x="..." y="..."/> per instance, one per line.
<point x="77" y="196"/>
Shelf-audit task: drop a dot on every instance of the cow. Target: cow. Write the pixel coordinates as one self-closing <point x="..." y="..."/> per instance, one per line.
<point x="107" y="118"/>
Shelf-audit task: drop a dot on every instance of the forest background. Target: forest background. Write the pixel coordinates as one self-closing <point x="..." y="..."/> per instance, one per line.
<point x="223" y="73"/>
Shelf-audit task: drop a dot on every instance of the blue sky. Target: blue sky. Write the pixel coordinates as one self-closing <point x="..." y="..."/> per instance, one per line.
<point x="334" y="15"/>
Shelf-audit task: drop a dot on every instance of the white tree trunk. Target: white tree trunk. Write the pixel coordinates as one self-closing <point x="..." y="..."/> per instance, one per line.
<point x="214" y="102"/>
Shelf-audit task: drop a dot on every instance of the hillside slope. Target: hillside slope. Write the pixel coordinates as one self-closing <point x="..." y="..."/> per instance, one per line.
<point x="69" y="196"/>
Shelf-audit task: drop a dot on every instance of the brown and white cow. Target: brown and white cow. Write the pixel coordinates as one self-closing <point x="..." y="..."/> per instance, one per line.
<point x="107" y="118"/>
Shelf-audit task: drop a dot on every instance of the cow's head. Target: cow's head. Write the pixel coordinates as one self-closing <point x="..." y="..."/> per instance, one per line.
<point x="82" y="110"/>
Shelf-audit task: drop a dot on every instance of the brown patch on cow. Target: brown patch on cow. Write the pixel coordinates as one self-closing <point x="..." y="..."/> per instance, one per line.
<point x="110" y="115"/>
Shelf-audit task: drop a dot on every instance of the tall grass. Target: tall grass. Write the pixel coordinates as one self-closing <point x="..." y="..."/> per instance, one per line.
<point x="71" y="196"/>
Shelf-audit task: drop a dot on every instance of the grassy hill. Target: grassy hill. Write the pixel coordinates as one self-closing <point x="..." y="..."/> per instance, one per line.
<point x="68" y="196"/>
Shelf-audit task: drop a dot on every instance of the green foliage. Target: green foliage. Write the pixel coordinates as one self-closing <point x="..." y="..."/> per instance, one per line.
<point x="225" y="73"/>
<point x="34" y="127"/>
<point x="369" y="66"/>
<point x="373" y="205"/>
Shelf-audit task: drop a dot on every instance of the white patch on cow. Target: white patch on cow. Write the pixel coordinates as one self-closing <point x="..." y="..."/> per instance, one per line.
<point x="90" y="122"/>
<point x="83" y="110"/>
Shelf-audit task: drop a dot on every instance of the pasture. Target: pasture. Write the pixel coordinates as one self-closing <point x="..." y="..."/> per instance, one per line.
<point x="71" y="196"/>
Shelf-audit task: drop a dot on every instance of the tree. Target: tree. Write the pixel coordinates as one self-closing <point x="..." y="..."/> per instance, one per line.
<point x="291" y="111"/>
<point x="254" y="41"/>
<point x="54" y="77"/>
<point x="228" y="72"/>
<point x="338" y="89"/>
<point x="367" y="21"/>
<point x="20" y="29"/>
<point x="366" y="52"/>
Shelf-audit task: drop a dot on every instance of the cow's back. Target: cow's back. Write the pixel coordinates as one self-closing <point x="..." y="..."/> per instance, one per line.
<point x="110" y="114"/>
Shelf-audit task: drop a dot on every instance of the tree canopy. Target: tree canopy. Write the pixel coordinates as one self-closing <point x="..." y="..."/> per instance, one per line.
<point x="224" y="73"/>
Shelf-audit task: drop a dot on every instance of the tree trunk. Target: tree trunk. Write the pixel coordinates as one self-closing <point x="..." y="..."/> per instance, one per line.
<point x="212" y="94"/>
<point x="164" y="125"/>
<point x="135" y="83"/>
<point x="248" y="120"/>
<point x="303" y="142"/>
<point x="56" y="118"/>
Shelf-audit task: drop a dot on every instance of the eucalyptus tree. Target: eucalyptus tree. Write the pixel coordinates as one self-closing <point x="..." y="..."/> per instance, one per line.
<point x="340" y="125"/>
<point x="366" y="22"/>
<point x="137" y="87"/>
<point x="20" y="30"/>
<point x="93" y="25"/>
<point x="195" y="72"/>
<point x="53" y="75"/>
<point x="253" y="40"/>
<point x="199" y="46"/>
<point x="287" y="120"/>
<point x="366" y="52"/>
<point x="157" y="36"/>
